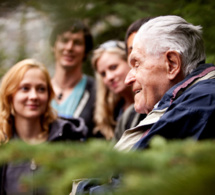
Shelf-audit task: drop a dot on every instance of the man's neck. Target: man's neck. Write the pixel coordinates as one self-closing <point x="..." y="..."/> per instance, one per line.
<point x="66" y="78"/>
<point x="64" y="81"/>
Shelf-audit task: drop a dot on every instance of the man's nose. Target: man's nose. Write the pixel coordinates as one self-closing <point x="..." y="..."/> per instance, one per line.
<point x="130" y="78"/>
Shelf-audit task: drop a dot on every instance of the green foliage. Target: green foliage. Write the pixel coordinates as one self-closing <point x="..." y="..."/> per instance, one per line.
<point x="168" y="167"/>
<point x="116" y="16"/>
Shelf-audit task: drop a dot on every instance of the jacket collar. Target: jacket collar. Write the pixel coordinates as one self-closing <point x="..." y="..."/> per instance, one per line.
<point x="178" y="89"/>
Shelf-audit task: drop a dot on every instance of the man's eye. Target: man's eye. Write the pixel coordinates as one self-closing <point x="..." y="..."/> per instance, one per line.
<point x="132" y="62"/>
<point x="63" y="40"/>
<point x="77" y="42"/>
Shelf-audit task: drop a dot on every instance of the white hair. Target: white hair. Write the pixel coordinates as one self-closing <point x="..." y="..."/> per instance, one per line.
<point x="168" y="33"/>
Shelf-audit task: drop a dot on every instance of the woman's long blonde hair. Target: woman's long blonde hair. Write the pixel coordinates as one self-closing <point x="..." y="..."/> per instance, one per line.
<point x="106" y="100"/>
<point x="9" y="86"/>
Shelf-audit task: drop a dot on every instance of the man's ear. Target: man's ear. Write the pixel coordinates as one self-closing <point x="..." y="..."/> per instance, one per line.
<point x="174" y="64"/>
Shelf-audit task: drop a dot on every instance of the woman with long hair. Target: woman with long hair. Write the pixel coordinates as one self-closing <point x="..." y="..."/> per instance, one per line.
<point x="113" y="97"/>
<point x="26" y="115"/>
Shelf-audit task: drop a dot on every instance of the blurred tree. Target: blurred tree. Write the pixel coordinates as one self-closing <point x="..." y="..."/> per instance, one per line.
<point x="176" y="168"/>
<point x="109" y="19"/>
<point x="168" y="167"/>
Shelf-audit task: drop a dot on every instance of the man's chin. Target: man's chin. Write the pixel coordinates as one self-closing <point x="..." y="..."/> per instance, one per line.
<point x="139" y="108"/>
<point x="68" y="65"/>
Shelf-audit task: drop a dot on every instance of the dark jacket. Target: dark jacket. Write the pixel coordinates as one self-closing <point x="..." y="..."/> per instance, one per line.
<point x="60" y="130"/>
<point x="190" y="109"/>
<point x="89" y="106"/>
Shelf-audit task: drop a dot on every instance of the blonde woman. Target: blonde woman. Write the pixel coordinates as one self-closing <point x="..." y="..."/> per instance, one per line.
<point x="26" y="114"/>
<point x="113" y="97"/>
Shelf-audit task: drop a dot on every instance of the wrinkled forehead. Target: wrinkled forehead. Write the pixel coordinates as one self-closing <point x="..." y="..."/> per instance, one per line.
<point x="138" y="42"/>
<point x="143" y="38"/>
<point x="136" y="54"/>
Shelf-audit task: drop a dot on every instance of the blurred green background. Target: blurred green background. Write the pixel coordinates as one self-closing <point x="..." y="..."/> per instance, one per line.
<point x="25" y="25"/>
<point x="183" y="167"/>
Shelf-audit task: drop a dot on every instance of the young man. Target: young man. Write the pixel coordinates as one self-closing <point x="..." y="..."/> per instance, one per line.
<point x="71" y="42"/>
<point x="130" y="118"/>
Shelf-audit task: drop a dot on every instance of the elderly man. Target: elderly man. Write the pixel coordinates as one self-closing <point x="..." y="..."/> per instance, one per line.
<point x="171" y="83"/>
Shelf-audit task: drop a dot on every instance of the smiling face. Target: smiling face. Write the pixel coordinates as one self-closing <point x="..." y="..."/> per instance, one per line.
<point x="113" y="71"/>
<point x="149" y="78"/>
<point x="69" y="49"/>
<point x="31" y="98"/>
